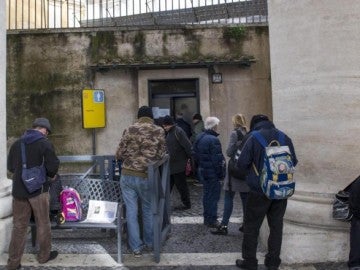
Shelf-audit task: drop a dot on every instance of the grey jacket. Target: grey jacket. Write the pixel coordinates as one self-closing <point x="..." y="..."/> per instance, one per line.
<point x="236" y="184"/>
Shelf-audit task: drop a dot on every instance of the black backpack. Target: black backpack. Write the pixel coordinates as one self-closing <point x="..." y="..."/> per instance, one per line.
<point x="233" y="170"/>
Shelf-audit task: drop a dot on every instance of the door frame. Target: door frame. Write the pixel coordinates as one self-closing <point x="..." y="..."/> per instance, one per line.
<point x="201" y="74"/>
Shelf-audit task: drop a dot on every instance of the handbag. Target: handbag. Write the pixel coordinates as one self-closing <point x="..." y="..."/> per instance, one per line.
<point x="341" y="208"/>
<point x="33" y="178"/>
<point x="188" y="168"/>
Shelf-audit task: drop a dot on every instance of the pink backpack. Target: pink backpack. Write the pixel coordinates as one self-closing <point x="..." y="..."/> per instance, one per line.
<point x="70" y="204"/>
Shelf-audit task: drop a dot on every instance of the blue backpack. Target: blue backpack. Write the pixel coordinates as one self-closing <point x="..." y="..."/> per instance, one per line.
<point x="276" y="176"/>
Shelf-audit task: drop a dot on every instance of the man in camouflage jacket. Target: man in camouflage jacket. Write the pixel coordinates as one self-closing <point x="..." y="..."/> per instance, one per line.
<point x="141" y="144"/>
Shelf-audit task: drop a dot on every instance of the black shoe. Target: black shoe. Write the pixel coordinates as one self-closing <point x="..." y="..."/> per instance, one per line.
<point x="19" y="267"/>
<point x="221" y="230"/>
<point x="242" y="265"/>
<point x="214" y="225"/>
<point x="241" y="229"/>
<point x="53" y="255"/>
<point x="274" y="268"/>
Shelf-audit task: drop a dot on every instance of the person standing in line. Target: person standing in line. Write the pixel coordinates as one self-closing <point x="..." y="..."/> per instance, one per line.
<point x="198" y="126"/>
<point x="180" y="121"/>
<point x="179" y="148"/>
<point x="208" y="155"/>
<point x="232" y="184"/>
<point x="38" y="149"/>
<point x="354" y="201"/>
<point x="258" y="205"/>
<point x="141" y="144"/>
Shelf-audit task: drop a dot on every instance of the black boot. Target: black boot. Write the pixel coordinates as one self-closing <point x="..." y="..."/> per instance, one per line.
<point x="221" y="230"/>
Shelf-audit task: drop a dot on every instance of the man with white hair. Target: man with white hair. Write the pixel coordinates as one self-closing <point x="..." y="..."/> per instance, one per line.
<point x="208" y="155"/>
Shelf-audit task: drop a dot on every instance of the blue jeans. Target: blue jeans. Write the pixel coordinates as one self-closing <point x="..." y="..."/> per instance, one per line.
<point x="134" y="188"/>
<point x="229" y="204"/>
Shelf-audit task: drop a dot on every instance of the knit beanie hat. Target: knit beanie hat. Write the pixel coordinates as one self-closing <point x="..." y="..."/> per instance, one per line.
<point x="257" y="119"/>
<point x="168" y="121"/>
<point x="145" y="111"/>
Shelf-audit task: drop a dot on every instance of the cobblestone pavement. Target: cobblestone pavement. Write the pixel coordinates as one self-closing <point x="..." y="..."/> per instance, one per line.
<point x="189" y="242"/>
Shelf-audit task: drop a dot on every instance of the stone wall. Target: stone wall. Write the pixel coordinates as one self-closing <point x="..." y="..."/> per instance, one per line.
<point x="5" y="184"/>
<point x="47" y="71"/>
<point x="315" y="76"/>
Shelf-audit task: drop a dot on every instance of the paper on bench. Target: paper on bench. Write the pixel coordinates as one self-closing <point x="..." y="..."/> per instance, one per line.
<point x="101" y="212"/>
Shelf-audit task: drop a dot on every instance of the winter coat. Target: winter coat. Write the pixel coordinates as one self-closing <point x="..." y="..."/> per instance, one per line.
<point x="184" y="125"/>
<point x="141" y="144"/>
<point x="208" y="155"/>
<point x="253" y="152"/>
<point x="37" y="149"/>
<point x="236" y="184"/>
<point x="179" y="148"/>
<point x="198" y="128"/>
<point x="354" y="199"/>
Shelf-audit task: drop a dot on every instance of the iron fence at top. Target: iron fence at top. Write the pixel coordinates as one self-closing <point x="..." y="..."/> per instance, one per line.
<point x="57" y="14"/>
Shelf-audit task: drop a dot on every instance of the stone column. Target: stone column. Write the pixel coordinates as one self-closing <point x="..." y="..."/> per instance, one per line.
<point x="315" y="72"/>
<point x="5" y="184"/>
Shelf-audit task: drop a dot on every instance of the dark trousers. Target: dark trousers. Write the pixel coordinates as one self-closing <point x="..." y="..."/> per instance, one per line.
<point x="354" y="256"/>
<point x="179" y="180"/>
<point x="257" y="207"/>
<point x="22" y="209"/>
<point x="211" y="196"/>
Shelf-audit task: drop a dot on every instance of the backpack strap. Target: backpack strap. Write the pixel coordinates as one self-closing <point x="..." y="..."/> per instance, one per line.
<point x="281" y="137"/>
<point x="260" y="138"/>
<point x="23" y="155"/>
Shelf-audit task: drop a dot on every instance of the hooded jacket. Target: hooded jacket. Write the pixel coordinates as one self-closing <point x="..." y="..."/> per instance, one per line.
<point x="37" y="149"/>
<point x="253" y="152"/>
<point x="207" y="153"/>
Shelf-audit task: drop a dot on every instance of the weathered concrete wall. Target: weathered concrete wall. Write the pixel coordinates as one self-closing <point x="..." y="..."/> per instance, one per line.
<point x="5" y="184"/>
<point x="315" y="77"/>
<point x="47" y="71"/>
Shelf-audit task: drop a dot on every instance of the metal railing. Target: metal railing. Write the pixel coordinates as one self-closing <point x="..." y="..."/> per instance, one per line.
<point x="58" y="14"/>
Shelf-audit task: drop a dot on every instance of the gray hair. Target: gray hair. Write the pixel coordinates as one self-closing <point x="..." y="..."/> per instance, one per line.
<point x="211" y="122"/>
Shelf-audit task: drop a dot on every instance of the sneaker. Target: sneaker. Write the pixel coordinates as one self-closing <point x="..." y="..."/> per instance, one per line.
<point x="137" y="253"/>
<point x="221" y="230"/>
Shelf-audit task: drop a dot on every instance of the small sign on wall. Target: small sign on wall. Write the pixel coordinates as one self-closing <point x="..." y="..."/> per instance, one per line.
<point x="93" y="108"/>
<point x="216" y="78"/>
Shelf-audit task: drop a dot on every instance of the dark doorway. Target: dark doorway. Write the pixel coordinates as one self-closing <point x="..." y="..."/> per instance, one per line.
<point x="168" y="97"/>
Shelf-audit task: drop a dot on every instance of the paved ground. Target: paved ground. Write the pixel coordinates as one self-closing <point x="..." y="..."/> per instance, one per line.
<point x="189" y="246"/>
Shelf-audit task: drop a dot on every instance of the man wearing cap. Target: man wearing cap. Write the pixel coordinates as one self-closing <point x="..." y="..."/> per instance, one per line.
<point x="179" y="148"/>
<point x="258" y="205"/>
<point x="141" y="144"/>
<point x="38" y="149"/>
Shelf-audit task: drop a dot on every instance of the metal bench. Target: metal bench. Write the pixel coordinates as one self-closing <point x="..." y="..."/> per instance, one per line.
<point x="92" y="189"/>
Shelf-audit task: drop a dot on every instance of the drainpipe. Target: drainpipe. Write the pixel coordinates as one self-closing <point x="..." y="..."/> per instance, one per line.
<point x="5" y="184"/>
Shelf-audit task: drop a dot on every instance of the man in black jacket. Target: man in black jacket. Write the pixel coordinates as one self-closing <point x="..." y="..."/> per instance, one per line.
<point x="179" y="147"/>
<point x="258" y="205"/>
<point x="38" y="149"/>
<point x="354" y="256"/>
